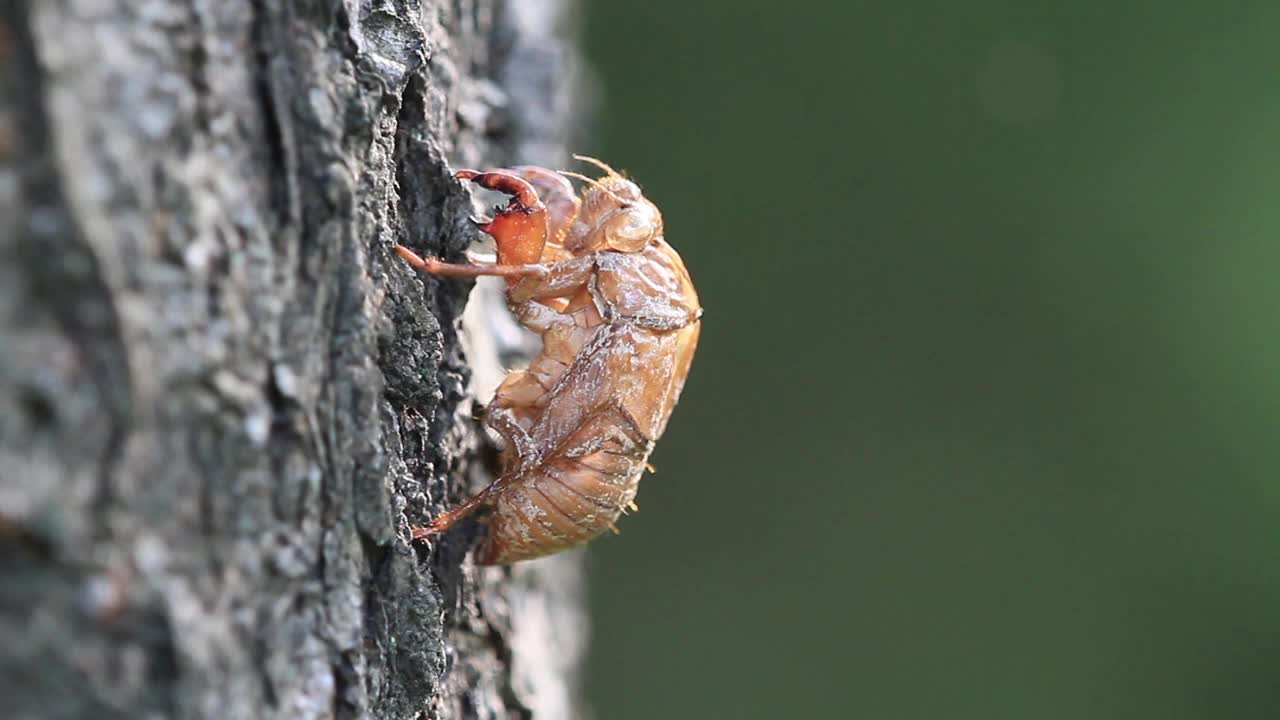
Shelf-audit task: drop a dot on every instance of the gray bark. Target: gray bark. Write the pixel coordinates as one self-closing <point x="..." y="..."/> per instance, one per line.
<point x="223" y="399"/>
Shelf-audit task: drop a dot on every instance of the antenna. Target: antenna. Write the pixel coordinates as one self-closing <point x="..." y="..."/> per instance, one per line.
<point x="596" y="184"/>
<point x="598" y="163"/>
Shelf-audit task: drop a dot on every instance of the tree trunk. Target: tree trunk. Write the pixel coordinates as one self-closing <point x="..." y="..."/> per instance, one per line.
<point x="223" y="399"/>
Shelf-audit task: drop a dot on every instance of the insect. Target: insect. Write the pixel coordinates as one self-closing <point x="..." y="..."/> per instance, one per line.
<point x="619" y="321"/>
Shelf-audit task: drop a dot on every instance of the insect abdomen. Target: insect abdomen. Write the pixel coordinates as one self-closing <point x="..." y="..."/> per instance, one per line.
<point x="563" y="503"/>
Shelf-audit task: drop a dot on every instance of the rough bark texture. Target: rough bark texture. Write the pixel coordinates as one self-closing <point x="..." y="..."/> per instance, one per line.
<point x="223" y="400"/>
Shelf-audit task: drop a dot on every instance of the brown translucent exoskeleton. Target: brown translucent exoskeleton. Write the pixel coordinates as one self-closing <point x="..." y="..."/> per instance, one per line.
<point x="619" y="321"/>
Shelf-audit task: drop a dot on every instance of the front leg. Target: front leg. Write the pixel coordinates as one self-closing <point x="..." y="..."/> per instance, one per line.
<point x="520" y="228"/>
<point x="557" y="194"/>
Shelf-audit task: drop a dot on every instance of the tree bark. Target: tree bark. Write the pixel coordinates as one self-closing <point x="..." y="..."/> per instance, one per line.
<point x="223" y="399"/>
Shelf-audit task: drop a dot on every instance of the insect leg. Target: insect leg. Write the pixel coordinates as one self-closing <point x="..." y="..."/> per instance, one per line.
<point x="504" y="421"/>
<point x="439" y="267"/>
<point x="519" y="229"/>
<point x="522" y="192"/>
<point x="446" y="520"/>
<point x="562" y="279"/>
<point x="557" y="194"/>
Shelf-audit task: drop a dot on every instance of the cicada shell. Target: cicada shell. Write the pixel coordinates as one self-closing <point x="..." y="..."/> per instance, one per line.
<point x="619" y="320"/>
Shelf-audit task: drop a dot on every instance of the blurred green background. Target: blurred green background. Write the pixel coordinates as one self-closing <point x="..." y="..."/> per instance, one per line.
<point x="982" y="421"/>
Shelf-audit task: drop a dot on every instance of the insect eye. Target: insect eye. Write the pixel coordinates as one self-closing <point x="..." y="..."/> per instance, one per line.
<point x="627" y="190"/>
<point x="631" y="230"/>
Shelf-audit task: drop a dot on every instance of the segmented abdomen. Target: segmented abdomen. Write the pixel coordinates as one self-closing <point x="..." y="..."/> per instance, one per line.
<point x="600" y="435"/>
<point x="560" y="504"/>
<point x="579" y="425"/>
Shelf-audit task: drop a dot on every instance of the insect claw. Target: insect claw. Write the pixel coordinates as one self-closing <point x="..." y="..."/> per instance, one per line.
<point x="481" y="223"/>
<point x="615" y="529"/>
<point x="650" y="468"/>
<point x="634" y="507"/>
<point x="523" y="195"/>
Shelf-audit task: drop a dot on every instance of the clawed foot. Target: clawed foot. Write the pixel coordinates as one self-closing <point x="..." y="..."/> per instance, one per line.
<point x="519" y="228"/>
